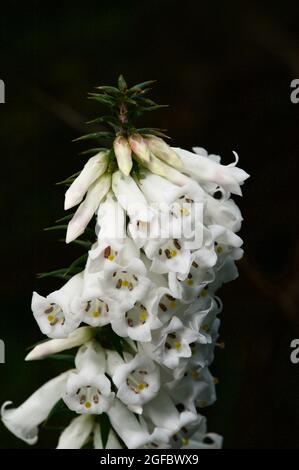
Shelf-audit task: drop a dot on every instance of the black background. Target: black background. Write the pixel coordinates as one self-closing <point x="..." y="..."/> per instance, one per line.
<point x="225" y="68"/>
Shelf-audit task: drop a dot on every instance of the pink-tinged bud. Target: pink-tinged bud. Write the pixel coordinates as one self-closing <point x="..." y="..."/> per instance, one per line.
<point x="123" y="154"/>
<point x="139" y="147"/>
<point x="161" y="150"/>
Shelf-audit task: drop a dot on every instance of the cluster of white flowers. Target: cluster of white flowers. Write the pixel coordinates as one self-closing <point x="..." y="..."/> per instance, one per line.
<point x="166" y="241"/>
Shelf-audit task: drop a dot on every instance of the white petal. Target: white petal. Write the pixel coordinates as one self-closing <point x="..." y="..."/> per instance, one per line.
<point x="86" y="210"/>
<point x="93" y="169"/>
<point x="23" y="421"/>
<point x="54" y="346"/>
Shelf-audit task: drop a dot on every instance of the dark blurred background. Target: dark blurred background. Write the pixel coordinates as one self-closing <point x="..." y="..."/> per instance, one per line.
<point x="225" y="68"/>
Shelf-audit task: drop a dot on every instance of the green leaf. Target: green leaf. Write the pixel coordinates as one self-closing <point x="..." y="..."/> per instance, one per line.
<point x="86" y="244"/>
<point x="59" y="273"/>
<point x="155" y="107"/>
<point x="65" y="218"/>
<point x="103" y="99"/>
<point x="109" y="89"/>
<point x="82" y="259"/>
<point x="153" y="131"/>
<point x="141" y="86"/>
<point x="122" y="85"/>
<point x="56" y="227"/>
<point x="91" y="151"/>
<point x="96" y="136"/>
<point x="69" y="179"/>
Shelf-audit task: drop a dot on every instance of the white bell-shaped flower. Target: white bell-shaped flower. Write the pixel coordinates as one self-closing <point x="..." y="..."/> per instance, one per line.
<point x="53" y="313"/>
<point x="23" y="421"/>
<point x="138" y="321"/>
<point x="138" y="381"/>
<point x="204" y="169"/>
<point x="171" y="343"/>
<point x="88" y="390"/>
<point x="134" y="432"/>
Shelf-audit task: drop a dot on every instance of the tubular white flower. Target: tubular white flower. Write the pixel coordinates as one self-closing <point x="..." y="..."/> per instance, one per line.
<point x="201" y="320"/>
<point x="223" y="212"/>
<point x="106" y="251"/>
<point x="139" y="147"/>
<point x="171" y="343"/>
<point x="96" y="192"/>
<point x="163" y="414"/>
<point x="92" y="310"/>
<point x="54" y="346"/>
<point x="137" y="322"/>
<point x="77" y="433"/>
<point x="204" y="169"/>
<point x="126" y="284"/>
<point x="195" y="389"/>
<point x="134" y="433"/>
<point x="23" y="421"/>
<point x="88" y="390"/>
<point x="198" y="438"/>
<point x="130" y="197"/>
<point x="138" y="381"/>
<point x="160" y="149"/>
<point x="93" y="169"/>
<point x="53" y="313"/>
<point x="123" y="155"/>
<point x="110" y="227"/>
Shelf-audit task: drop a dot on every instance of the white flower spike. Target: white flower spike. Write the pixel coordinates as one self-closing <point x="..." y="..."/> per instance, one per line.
<point x="139" y="313"/>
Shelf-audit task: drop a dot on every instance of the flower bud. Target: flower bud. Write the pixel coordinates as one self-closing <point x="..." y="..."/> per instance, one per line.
<point x="139" y="147"/>
<point x="93" y="169"/>
<point x="54" y="346"/>
<point x="161" y="150"/>
<point x="123" y="152"/>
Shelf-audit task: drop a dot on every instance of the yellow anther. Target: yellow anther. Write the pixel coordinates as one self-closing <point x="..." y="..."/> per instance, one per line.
<point x="202" y="403"/>
<point x="178" y="345"/>
<point x="195" y="375"/>
<point x="221" y="345"/>
<point x="141" y="386"/>
<point x="185" y="441"/>
<point x="190" y="282"/>
<point x="205" y="328"/>
<point x="111" y="257"/>
<point x="215" y="380"/>
<point x="50" y="318"/>
<point x="87" y="405"/>
<point x="173" y="253"/>
<point x="143" y="315"/>
<point x="219" y="249"/>
<point x="203" y="293"/>
<point x="125" y="283"/>
<point x="172" y="304"/>
<point x="96" y="313"/>
<point x="185" y="211"/>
